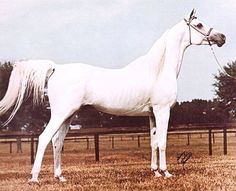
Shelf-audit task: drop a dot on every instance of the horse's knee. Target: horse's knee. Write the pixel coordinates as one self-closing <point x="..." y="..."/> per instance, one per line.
<point x="162" y="146"/>
<point x="56" y="149"/>
<point x="154" y="138"/>
<point x="153" y="132"/>
<point x="55" y="138"/>
<point x="154" y="144"/>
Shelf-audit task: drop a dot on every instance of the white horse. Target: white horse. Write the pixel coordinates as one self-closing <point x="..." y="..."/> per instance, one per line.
<point x="146" y="86"/>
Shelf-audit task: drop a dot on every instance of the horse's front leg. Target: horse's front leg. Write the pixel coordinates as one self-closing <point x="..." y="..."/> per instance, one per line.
<point x="57" y="142"/>
<point x="154" y="166"/>
<point x="162" y="115"/>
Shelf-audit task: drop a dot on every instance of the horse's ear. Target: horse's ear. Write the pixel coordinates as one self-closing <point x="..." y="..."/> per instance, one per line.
<point x="192" y="14"/>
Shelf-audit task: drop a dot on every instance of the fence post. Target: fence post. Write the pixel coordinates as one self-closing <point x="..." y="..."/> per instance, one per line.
<point x="36" y="144"/>
<point x="138" y="141"/>
<point x="32" y="150"/>
<point x="87" y="139"/>
<point x="10" y="146"/>
<point x="210" y="143"/>
<point x="18" y="145"/>
<point x="188" y="135"/>
<point x="225" y="140"/>
<point x="112" y="143"/>
<point x="213" y="136"/>
<point x="96" y="144"/>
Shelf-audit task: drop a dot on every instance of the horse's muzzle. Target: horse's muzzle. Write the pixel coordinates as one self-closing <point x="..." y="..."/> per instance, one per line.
<point x="219" y="39"/>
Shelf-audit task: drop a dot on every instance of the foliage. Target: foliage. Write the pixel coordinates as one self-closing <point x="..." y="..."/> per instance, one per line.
<point x="28" y="117"/>
<point x="5" y="72"/>
<point x="196" y="111"/>
<point x="89" y="117"/>
<point x="225" y="89"/>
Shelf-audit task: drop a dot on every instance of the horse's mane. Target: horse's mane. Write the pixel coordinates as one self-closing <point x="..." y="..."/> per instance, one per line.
<point x="155" y="56"/>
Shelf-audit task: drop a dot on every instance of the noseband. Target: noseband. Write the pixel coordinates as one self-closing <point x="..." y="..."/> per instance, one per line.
<point x="188" y="22"/>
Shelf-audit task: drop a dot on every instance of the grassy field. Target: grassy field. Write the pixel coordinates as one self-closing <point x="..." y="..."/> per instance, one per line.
<point x="126" y="167"/>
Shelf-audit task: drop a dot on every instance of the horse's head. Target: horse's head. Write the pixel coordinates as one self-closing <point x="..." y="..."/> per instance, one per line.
<point x="201" y="34"/>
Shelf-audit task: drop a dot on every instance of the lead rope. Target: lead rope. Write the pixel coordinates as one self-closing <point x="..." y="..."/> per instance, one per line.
<point x="221" y="67"/>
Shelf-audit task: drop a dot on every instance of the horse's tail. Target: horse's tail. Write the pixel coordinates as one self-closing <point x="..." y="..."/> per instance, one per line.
<point x="27" y="77"/>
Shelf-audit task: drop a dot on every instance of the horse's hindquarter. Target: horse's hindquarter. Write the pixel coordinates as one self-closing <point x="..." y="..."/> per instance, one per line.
<point x="66" y="87"/>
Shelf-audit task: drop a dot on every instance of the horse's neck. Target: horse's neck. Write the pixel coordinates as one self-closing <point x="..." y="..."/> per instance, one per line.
<point x="158" y="49"/>
<point x="165" y="55"/>
<point x="150" y="64"/>
<point x="176" y="45"/>
<point x="156" y="55"/>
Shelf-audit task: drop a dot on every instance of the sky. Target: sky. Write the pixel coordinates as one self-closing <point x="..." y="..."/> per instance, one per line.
<point x="112" y="33"/>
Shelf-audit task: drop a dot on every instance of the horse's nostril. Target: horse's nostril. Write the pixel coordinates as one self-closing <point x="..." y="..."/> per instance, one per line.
<point x="223" y="36"/>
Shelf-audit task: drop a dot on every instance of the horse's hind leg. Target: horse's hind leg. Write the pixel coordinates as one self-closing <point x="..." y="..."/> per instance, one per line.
<point x="57" y="142"/>
<point x="52" y="127"/>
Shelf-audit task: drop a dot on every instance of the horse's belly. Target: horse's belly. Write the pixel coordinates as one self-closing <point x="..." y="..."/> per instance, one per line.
<point x="138" y="110"/>
<point x="121" y="102"/>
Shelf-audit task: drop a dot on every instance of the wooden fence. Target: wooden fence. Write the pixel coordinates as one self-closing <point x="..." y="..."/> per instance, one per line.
<point x="209" y="129"/>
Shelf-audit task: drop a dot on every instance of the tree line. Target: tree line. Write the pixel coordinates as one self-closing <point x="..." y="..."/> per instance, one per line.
<point x="219" y="110"/>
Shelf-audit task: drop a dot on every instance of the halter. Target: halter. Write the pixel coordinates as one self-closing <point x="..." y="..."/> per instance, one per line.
<point x="188" y="22"/>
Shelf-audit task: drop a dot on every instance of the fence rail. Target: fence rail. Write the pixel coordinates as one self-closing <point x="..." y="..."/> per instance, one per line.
<point x="209" y="129"/>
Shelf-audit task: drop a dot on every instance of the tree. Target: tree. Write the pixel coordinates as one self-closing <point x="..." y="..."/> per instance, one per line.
<point x="5" y="72"/>
<point x="28" y="116"/>
<point x="225" y="89"/>
<point x="197" y="111"/>
<point x="88" y="116"/>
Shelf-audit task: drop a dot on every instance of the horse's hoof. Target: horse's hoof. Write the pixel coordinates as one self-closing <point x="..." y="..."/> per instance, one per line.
<point x="33" y="181"/>
<point x="61" y="178"/>
<point x="157" y="174"/>
<point x="167" y="175"/>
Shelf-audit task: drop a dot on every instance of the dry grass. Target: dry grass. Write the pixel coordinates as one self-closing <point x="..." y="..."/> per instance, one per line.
<point x="125" y="168"/>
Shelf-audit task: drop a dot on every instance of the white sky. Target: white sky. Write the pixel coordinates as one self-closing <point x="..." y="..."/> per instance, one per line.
<point x="112" y="33"/>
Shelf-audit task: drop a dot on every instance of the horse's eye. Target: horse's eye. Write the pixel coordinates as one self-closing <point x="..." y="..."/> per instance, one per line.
<point x="199" y="25"/>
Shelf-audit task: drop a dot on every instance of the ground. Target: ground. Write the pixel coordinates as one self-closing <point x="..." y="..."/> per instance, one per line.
<point x="125" y="167"/>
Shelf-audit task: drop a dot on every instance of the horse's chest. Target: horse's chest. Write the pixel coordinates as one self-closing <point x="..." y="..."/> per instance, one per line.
<point x="165" y="91"/>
